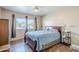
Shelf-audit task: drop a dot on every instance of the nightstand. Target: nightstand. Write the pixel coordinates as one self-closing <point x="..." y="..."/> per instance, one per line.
<point x="66" y="38"/>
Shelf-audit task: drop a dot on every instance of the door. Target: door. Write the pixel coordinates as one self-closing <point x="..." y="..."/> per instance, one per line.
<point x="4" y="32"/>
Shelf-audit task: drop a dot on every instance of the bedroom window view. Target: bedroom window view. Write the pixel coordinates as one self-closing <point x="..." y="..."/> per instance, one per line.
<point x="31" y="24"/>
<point x="20" y="23"/>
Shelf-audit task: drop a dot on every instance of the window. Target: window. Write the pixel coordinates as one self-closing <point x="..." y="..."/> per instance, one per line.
<point x="20" y="23"/>
<point x="31" y="24"/>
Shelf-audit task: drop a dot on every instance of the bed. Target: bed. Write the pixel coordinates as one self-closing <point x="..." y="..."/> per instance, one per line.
<point x="42" y="39"/>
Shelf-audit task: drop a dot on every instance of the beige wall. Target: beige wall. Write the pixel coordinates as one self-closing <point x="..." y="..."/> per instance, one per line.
<point x="0" y="12"/>
<point x="69" y="17"/>
<point x="8" y="15"/>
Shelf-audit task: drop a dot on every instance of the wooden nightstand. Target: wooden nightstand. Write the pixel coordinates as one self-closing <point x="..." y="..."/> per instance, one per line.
<point x="66" y="38"/>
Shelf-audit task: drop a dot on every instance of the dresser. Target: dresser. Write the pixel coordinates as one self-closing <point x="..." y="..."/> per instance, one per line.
<point x="4" y="32"/>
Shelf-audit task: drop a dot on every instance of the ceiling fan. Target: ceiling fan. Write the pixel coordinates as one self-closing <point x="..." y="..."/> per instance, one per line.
<point x="36" y="8"/>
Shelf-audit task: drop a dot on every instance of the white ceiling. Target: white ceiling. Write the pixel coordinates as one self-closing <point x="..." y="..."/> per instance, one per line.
<point x="43" y="10"/>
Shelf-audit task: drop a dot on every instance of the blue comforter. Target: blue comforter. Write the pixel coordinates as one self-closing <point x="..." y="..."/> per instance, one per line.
<point x="43" y="37"/>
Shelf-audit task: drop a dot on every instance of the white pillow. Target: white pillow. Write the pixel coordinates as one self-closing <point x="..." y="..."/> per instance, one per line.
<point x="52" y="29"/>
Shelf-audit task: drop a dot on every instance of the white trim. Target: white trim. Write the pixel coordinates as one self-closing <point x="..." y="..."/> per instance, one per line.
<point x="4" y="47"/>
<point x="75" y="47"/>
<point x="17" y="38"/>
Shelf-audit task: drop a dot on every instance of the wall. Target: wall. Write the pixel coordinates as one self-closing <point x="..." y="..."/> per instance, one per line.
<point x="0" y="12"/>
<point x="6" y="14"/>
<point x="68" y="17"/>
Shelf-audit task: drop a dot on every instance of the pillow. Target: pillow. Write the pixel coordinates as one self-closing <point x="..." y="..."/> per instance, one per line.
<point x="48" y="28"/>
<point x="52" y="29"/>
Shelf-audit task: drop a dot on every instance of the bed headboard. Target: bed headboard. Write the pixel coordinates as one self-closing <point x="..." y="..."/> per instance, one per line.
<point x="59" y="28"/>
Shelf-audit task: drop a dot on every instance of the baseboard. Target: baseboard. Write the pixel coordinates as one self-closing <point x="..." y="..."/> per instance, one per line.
<point x="4" y="47"/>
<point x="75" y="47"/>
<point x="17" y="38"/>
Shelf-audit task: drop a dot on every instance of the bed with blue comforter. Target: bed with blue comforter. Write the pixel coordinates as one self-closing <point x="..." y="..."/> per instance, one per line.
<point x="44" y="38"/>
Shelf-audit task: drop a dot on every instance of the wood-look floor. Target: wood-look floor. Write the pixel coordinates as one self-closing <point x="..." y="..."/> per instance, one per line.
<point x="60" y="48"/>
<point x="19" y="46"/>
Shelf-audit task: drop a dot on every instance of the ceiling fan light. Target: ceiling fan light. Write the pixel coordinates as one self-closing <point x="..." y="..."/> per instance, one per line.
<point x="36" y="9"/>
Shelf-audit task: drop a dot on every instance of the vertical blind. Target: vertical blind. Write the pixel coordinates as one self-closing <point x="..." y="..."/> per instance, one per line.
<point x="13" y="32"/>
<point x="35" y="23"/>
<point x="26" y="24"/>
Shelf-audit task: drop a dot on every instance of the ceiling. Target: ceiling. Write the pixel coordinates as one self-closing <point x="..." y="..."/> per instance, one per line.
<point x="43" y="10"/>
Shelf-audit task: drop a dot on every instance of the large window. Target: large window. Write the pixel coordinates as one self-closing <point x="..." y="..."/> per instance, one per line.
<point x="20" y="23"/>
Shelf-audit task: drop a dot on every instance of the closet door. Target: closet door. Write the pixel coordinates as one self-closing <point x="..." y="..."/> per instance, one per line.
<point x="4" y="31"/>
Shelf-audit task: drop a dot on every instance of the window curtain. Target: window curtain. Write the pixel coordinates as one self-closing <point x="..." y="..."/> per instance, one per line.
<point x="13" y="32"/>
<point x="35" y="23"/>
<point x="26" y="30"/>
